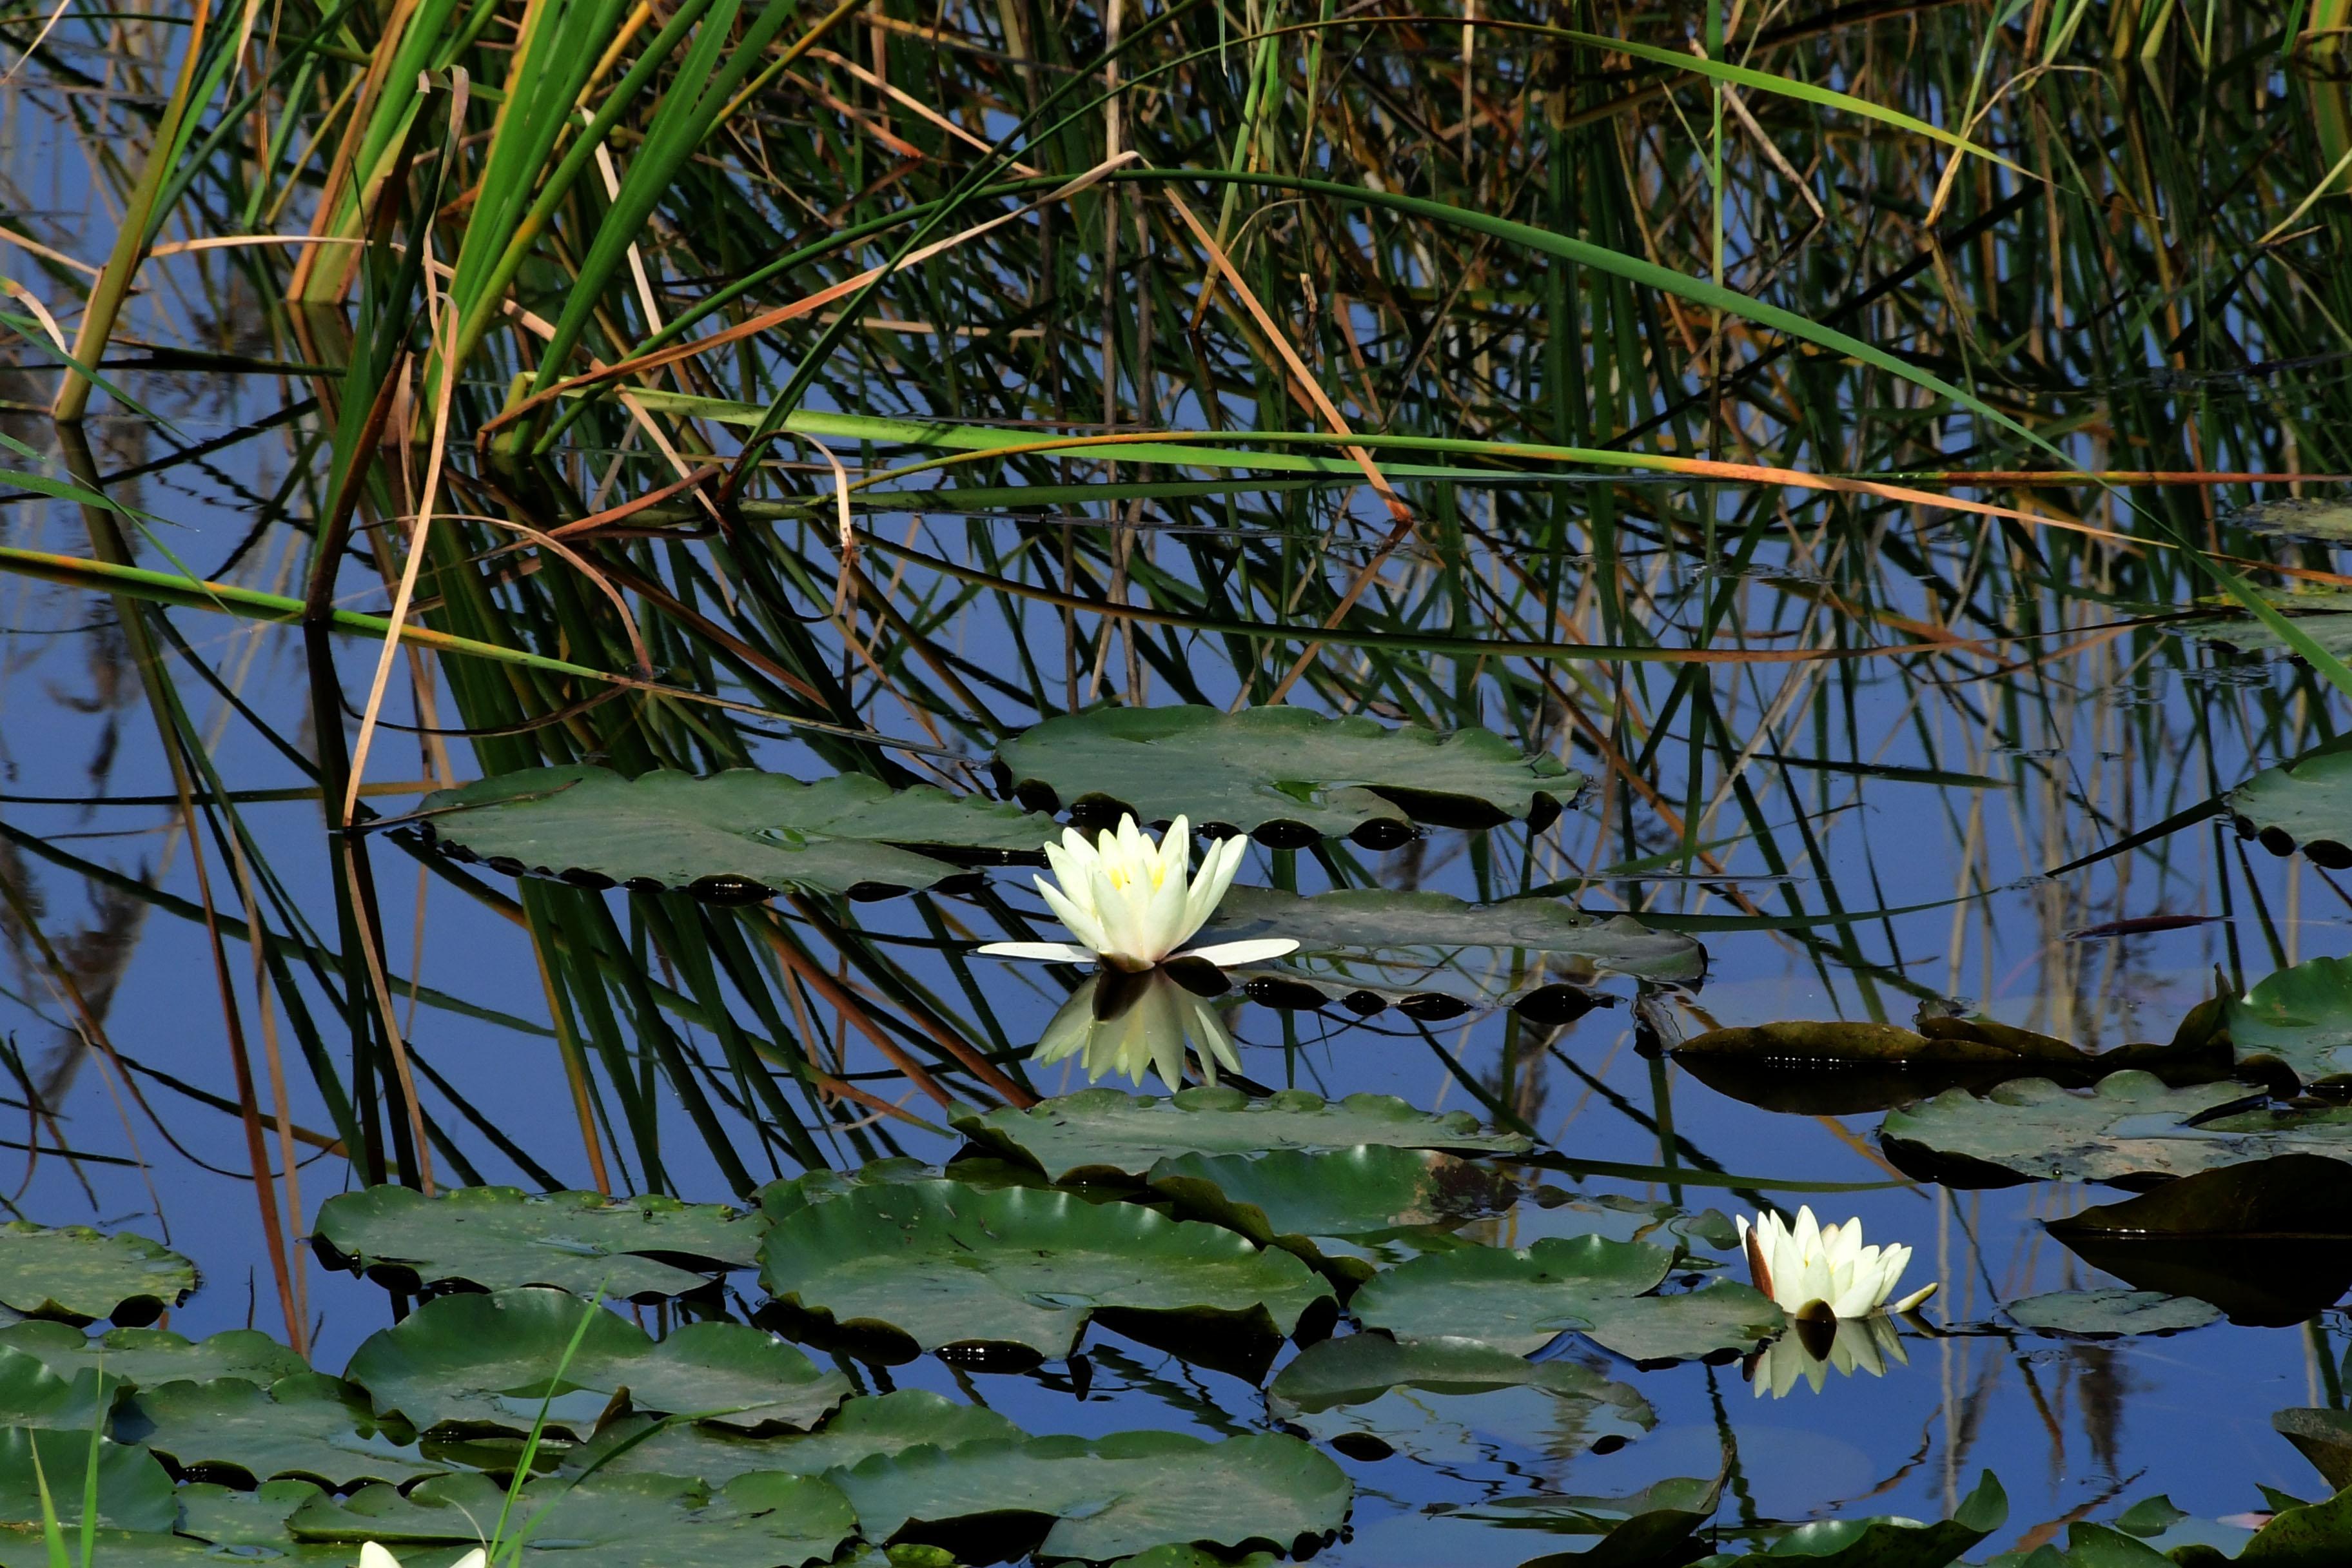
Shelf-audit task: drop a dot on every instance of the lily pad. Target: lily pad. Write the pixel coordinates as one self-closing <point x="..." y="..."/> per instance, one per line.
<point x="77" y="1274"/>
<point x="863" y="1425"/>
<point x="939" y="1264"/>
<point x="604" y="1522"/>
<point x="1436" y="932"/>
<point x="1315" y="1202"/>
<point x="2327" y="518"/>
<point x="1453" y="1401"/>
<point x="2324" y="1436"/>
<point x="238" y="1515"/>
<point x="1287" y="775"/>
<point x="1102" y="1132"/>
<point x="22" y="1546"/>
<point x="1520" y="1300"/>
<point x="1110" y="1497"/>
<point x="2305" y="804"/>
<point x="2103" y="1314"/>
<point x="34" y="1394"/>
<point x="1651" y="1526"/>
<point x="308" y="1426"/>
<point x="2298" y="1535"/>
<point x="734" y="837"/>
<point x="2301" y="1017"/>
<point x="133" y="1490"/>
<point x="1889" y="1542"/>
<point x="1839" y="1043"/>
<point x="488" y="1360"/>
<point x="2129" y="1126"/>
<point x="495" y="1237"/>
<point x="144" y="1356"/>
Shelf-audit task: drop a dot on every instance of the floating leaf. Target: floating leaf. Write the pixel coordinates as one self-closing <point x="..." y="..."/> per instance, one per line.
<point x="133" y="1490"/>
<point x="310" y="1427"/>
<point x="863" y="1425"/>
<point x="937" y="1264"/>
<point x="1301" y="1200"/>
<point x="1888" y="1543"/>
<point x="2102" y="1314"/>
<point x="733" y="838"/>
<point x="1434" y="932"/>
<point x="479" y="1361"/>
<point x="1451" y="1401"/>
<point x="1101" y="1131"/>
<point x="34" y="1394"/>
<point x="1287" y="775"/>
<point x="144" y="1356"/>
<point x="604" y="1522"/>
<point x="2322" y="614"/>
<point x="1519" y="1301"/>
<point x="2087" y="1546"/>
<point x="495" y="1237"/>
<point x="2325" y="518"/>
<point x="2305" y="804"/>
<point x="235" y="1516"/>
<point x="2301" y="1017"/>
<point x="1652" y="1526"/>
<point x="22" y="1546"/>
<point x="2131" y="1125"/>
<point x="2325" y="1438"/>
<point x="75" y="1273"/>
<point x="1110" y="1497"/>
<point x="2299" y="1535"/>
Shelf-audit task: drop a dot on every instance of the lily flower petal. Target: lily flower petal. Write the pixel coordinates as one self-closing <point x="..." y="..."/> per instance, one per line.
<point x="1250" y="950"/>
<point x="1042" y="951"/>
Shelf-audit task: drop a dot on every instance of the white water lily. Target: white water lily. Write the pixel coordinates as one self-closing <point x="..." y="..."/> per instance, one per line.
<point x="1125" y="1024"/>
<point x="1810" y="1268"/>
<point x="1126" y="900"/>
<point x="372" y="1554"/>
<point x="1857" y="1344"/>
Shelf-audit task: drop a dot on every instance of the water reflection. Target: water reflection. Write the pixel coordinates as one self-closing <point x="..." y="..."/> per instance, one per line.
<point x="1812" y="1349"/>
<point x="1124" y="1023"/>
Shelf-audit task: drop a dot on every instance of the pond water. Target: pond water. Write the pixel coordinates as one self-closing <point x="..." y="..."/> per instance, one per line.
<point x="1955" y="748"/>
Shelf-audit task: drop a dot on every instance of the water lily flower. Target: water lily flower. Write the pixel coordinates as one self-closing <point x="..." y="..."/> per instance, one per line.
<point x="373" y="1555"/>
<point x="1124" y="1023"/>
<point x="1855" y="1344"/>
<point x="1126" y="900"/>
<point x="1812" y="1269"/>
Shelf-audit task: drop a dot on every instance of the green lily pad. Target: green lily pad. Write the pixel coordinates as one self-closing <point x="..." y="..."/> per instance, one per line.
<point x="604" y="1522"/>
<point x="733" y="838"/>
<point x="1286" y="774"/>
<point x="2305" y="804"/>
<point x="488" y="1360"/>
<point x="1445" y="1401"/>
<point x="1110" y="1497"/>
<point x="1519" y="1301"/>
<point x="75" y="1273"/>
<point x="2327" y="518"/>
<point x="2301" y="1017"/>
<point x="34" y="1394"/>
<point x="794" y="1193"/>
<point x="496" y="1237"/>
<point x="308" y="1426"/>
<point x="940" y="1264"/>
<point x="2298" y="1535"/>
<point x="1314" y="1202"/>
<point x="2130" y="1125"/>
<point x="2324" y="615"/>
<point x="863" y="1425"/>
<point x="2101" y="1314"/>
<point x="2324" y="1436"/>
<point x="2087" y="1546"/>
<point x="1434" y="932"/>
<point x="1651" y="1526"/>
<point x="133" y="1490"/>
<point x="237" y="1516"/>
<point x="1888" y="1543"/>
<point x="1100" y="1132"/>
<point x="22" y="1546"/>
<point x="145" y="1356"/>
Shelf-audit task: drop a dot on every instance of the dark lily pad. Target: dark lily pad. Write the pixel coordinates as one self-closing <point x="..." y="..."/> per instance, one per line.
<point x="1451" y="1401"/>
<point x="2305" y="804"/>
<point x="1286" y="774"/>
<point x="2325" y="518"/>
<point x="2325" y="1438"/>
<point x="2087" y="1546"/>
<point x="934" y="1264"/>
<point x="2298" y="1535"/>
<point x="863" y="1425"/>
<point x="1519" y="1301"/>
<point x="133" y="1490"/>
<point x="734" y="837"/>
<point x="1888" y="1543"/>
<point x="2131" y="1125"/>
<point x="1652" y="1526"/>
<point x="604" y="1522"/>
<point x="1434" y="932"/>
<point x="2104" y="1314"/>
<point x="308" y="1426"/>
<point x="1109" y="1497"/>
<point x="487" y="1361"/>
<point x="1100" y="1131"/>
<point x="144" y="1356"/>
<point x="77" y="1274"/>
<point x="2301" y="1018"/>
<point x="495" y="1237"/>
<point x="1837" y="1043"/>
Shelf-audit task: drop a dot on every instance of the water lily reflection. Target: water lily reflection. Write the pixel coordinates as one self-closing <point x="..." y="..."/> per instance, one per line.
<point x="1816" y="1346"/>
<point x="1124" y="1023"/>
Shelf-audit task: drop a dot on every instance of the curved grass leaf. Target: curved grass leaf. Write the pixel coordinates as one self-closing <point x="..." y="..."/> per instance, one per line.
<point x="1287" y="775"/>
<point x="735" y="836"/>
<point x="78" y="1274"/>
<point x="496" y="1237"/>
<point x="310" y="1427"/>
